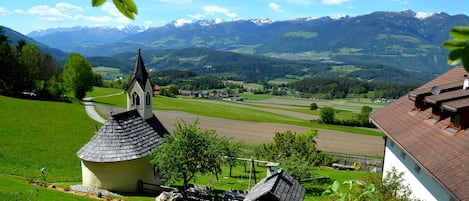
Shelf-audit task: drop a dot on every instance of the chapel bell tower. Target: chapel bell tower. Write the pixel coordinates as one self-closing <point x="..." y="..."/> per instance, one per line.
<point x="139" y="90"/>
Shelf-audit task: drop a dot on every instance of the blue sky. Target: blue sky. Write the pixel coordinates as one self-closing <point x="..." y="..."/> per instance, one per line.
<point x="29" y="15"/>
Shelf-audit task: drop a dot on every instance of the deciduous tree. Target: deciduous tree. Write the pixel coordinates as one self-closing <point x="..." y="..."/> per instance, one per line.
<point x="186" y="152"/>
<point x="78" y="75"/>
<point x="327" y="115"/>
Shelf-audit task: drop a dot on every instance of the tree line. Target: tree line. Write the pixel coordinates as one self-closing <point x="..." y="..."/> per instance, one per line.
<point x="330" y="88"/>
<point x="27" y="72"/>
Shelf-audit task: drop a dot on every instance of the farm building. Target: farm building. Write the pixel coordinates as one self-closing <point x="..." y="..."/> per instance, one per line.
<point x="117" y="157"/>
<point x="427" y="137"/>
<point x="277" y="187"/>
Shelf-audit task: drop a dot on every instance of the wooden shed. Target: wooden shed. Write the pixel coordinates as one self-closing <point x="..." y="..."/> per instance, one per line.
<point x="277" y="187"/>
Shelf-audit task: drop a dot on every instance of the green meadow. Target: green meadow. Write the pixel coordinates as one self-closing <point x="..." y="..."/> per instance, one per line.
<point x="40" y="134"/>
<point x="212" y="109"/>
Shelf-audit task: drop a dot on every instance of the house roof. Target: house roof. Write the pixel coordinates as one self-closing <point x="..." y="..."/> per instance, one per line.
<point x="280" y="185"/>
<point x="139" y="74"/>
<point x="440" y="153"/>
<point x="124" y="136"/>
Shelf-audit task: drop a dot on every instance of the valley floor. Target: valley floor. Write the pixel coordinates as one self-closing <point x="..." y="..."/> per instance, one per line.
<point x="257" y="133"/>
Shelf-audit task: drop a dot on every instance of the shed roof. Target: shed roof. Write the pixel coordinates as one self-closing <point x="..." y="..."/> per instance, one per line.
<point x="441" y="154"/>
<point x="281" y="186"/>
<point x="124" y="136"/>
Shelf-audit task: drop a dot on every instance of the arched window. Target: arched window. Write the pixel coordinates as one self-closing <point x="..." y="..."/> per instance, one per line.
<point x="148" y="99"/>
<point x="135" y="99"/>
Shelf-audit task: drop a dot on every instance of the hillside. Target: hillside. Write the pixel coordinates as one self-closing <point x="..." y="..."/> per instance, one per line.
<point x="14" y="37"/>
<point x="256" y="68"/>
<point x="34" y="128"/>
<point x="399" y="39"/>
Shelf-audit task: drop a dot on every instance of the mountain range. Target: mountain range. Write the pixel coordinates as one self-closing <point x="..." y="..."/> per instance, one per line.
<point x="400" y="40"/>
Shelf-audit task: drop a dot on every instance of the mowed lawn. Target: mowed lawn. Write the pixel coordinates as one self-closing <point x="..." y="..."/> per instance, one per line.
<point x="40" y="134"/>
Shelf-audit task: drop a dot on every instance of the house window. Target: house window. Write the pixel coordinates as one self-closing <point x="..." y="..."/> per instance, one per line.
<point x="148" y="99"/>
<point x="135" y="99"/>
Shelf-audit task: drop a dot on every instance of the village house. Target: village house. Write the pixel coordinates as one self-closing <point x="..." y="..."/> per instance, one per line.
<point x="117" y="157"/>
<point x="427" y="137"/>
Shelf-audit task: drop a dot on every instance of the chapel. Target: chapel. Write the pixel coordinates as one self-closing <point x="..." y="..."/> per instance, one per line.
<point x="117" y="156"/>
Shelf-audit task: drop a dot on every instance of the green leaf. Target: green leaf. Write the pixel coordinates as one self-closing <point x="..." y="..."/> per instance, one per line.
<point x="130" y="6"/>
<point x="460" y="32"/>
<point x="454" y="44"/>
<point x="465" y="58"/>
<point x="97" y="3"/>
<point x="123" y="9"/>
<point x="455" y="56"/>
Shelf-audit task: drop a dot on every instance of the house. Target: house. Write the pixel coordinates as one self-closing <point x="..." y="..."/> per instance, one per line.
<point x="427" y="137"/>
<point x="276" y="187"/>
<point x="117" y="156"/>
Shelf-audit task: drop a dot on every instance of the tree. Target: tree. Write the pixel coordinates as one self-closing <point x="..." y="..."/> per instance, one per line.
<point x="78" y="75"/>
<point x="313" y="106"/>
<point x="327" y="115"/>
<point x="458" y="46"/>
<point x="364" y="115"/>
<point x="30" y="62"/>
<point x="186" y="152"/>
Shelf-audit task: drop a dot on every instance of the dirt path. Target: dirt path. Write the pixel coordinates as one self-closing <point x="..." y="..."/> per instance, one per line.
<point x="256" y="133"/>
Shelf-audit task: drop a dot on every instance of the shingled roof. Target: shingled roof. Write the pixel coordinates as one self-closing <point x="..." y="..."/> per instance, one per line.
<point x="279" y="186"/>
<point x="442" y="154"/>
<point x="139" y="74"/>
<point x="124" y="136"/>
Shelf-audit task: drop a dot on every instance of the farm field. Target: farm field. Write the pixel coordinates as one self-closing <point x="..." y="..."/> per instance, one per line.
<point x="257" y="124"/>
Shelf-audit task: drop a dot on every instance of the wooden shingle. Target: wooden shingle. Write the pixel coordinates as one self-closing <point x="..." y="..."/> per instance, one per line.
<point x="124" y="136"/>
<point x="277" y="187"/>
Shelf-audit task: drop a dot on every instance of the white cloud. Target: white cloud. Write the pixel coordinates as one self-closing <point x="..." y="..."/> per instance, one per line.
<point x="275" y="7"/>
<point x="176" y="1"/>
<point x="334" y="2"/>
<point x="68" y="8"/>
<point x="212" y="10"/>
<point x="115" y="15"/>
<point x="4" y="11"/>
<point x="66" y="11"/>
<point x="19" y="11"/>
<point x="197" y="16"/>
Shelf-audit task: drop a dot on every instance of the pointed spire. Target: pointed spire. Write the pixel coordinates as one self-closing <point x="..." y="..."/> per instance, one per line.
<point x="139" y="74"/>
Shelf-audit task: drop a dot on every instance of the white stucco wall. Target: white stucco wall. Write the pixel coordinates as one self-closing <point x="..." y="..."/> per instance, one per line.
<point x="423" y="186"/>
<point x="118" y="176"/>
<point x="145" y="110"/>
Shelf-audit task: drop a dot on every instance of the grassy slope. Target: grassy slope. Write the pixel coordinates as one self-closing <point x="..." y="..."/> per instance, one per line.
<point x="13" y="188"/>
<point x="37" y="134"/>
